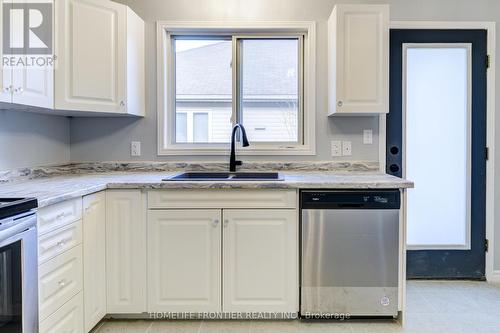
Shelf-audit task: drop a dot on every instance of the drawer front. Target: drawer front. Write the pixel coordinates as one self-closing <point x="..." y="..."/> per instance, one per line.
<point x="158" y="199"/>
<point x="58" y="215"/>
<point x="59" y="279"/>
<point x="58" y="241"/>
<point x="67" y="319"/>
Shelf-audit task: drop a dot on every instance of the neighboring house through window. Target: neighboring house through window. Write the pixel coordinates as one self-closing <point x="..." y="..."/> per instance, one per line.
<point x="212" y="78"/>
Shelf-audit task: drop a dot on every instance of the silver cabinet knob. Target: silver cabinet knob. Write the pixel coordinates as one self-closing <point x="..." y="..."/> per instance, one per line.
<point x="340" y="103"/>
<point x="122" y="103"/>
<point x="215" y="222"/>
<point x="226" y="222"/>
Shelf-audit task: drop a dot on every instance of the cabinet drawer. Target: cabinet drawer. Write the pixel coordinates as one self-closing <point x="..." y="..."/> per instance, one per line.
<point x="68" y="319"/>
<point x="59" y="279"/>
<point x="59" y="241"/>
<point x="58" y="215"/>
<point x="222" y="199"/>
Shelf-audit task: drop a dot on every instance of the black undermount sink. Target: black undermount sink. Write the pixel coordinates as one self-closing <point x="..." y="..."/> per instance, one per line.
<point x="223" y="176"/>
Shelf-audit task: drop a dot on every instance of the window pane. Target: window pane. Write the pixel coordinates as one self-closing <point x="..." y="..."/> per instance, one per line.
<point x="200" y="127"/>
<point x="203" y="81"/>
<point x="181" y="127"/>
<point x="270" y="89"/>
<point x="437" y="112"/>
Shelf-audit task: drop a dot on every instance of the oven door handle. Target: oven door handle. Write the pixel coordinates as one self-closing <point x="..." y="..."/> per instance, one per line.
<point x="16" y="232"/>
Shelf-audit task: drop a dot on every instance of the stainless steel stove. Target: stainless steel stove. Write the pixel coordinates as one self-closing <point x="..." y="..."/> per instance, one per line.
<point x="18" y="266"/>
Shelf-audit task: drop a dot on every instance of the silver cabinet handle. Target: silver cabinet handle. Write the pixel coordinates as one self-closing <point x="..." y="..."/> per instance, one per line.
<point x="61" y="243"/>
<point x="215" y="222"/>
<point x="62" y="283"/>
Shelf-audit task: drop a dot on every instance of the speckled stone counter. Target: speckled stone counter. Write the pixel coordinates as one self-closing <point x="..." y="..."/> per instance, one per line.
<point x="50" y="190"/>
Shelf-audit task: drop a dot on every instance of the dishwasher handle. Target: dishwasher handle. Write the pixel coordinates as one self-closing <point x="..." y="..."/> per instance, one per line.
<point x="373" y="199"/>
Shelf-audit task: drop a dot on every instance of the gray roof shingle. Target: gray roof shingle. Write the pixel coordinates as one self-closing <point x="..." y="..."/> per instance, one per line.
<point x="267" y="70"/>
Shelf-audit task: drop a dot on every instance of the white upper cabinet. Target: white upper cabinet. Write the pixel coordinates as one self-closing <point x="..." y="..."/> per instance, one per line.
<point x="358" y="60"/>
<point x="5" y="72"/>
<point x="100" y="58"/>
<point x="33" y="86"/>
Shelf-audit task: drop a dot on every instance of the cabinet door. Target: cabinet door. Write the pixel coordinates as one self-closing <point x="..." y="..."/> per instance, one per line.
<point x="94" y="258"/>
<point x="125" y="251"/>
<point x="33" y="86"/>
<point x="260" y="261"/>
<point x="67" y="319"/>
<point x="184" y="250"/>
<point x="359" y="59"/>
<point x="5" y="72"/>
<point x="91" y="49"/>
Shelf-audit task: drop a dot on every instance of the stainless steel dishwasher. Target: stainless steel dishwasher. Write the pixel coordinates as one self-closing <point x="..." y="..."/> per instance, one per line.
<point x="349" y="253"/>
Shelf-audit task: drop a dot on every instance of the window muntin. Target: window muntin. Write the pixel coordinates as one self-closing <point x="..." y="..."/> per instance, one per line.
<point x="265" y="82"/>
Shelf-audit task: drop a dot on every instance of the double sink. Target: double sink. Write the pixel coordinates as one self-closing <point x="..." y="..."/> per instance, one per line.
<point x="225" y="176"/>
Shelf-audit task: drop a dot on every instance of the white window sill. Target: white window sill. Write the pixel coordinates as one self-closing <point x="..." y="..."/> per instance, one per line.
<point x="299" y="151"/>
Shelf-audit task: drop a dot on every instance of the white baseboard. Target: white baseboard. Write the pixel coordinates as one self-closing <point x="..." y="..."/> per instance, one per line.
<point x="494" y="276"/>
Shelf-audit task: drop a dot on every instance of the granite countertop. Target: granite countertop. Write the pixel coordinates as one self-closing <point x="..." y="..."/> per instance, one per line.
<point x="52" y="190"/>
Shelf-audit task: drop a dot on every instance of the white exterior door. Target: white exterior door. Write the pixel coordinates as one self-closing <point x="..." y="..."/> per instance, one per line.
<point x="184" y="260"/>
<point x="94" y="258"/>
<point x="260" y="260"/>
<point x="125" y="252"/>
<point x="91" y="49"/>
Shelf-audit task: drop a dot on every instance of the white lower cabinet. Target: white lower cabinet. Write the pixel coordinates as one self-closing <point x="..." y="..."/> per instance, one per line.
<point x="184" y="260"/>
<point x="59" y="279"/>
<point x="67" y="319"/>
<point x="125" y="251"/>
<point x="258" y="249"/>
<point x="260" y="261"/>
<point x="94" y="258"/>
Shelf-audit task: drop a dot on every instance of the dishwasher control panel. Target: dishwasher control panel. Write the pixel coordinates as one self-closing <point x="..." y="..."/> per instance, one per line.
<point x="375" y="199"/>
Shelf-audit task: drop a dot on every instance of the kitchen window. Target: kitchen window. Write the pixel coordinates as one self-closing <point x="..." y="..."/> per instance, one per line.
<point x="214" y="77"/>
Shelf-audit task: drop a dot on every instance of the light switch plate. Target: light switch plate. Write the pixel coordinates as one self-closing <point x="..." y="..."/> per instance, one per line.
<point x="135" y="148"/>
<point x="367" y="136"/>
<point x="346" y="148"/>
<point x="336" y="148"/>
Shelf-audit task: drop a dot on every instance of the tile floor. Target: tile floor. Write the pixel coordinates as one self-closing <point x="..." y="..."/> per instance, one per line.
<point x="432" y="307"/>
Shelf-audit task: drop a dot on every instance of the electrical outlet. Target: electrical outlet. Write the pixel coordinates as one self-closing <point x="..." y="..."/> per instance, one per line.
<point x="336" y="148"/>
<point x="367" y="136"/>
<point x="346" y="148"/>
<point x="135" y="148"/>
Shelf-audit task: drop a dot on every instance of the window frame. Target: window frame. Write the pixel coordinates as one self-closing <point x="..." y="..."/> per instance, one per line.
<point x="238" y="31"/>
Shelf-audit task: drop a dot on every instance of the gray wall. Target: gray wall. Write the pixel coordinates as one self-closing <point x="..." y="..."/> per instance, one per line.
<point x="28" y="139"/>
<point x="106" y="139"/>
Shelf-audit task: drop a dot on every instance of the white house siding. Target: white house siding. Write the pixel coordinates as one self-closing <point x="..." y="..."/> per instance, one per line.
<point x="262" y="123"/>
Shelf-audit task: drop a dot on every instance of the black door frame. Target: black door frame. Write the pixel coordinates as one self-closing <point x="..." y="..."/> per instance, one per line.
<point x="429" y="263"/>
